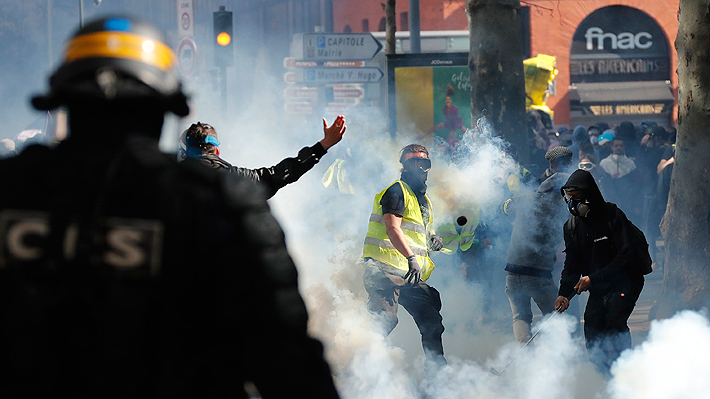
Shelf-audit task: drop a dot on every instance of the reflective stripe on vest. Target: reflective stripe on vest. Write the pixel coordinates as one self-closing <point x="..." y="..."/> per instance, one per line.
<point x="449" y="237"/>
<point x="378" y="245"/>
<point x="453" y="240"/>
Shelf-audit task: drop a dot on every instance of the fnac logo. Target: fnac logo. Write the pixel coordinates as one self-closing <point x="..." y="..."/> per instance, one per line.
<point x="623" y="41"/>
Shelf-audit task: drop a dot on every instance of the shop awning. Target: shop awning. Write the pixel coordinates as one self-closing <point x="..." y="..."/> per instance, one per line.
<point x="616" y="92"/>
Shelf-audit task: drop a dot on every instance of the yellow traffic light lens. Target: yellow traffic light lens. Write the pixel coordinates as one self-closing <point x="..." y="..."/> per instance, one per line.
<point x="224" y="39"/>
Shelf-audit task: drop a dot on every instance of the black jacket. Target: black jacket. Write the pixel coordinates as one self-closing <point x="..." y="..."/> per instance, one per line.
<point x="126" y="274"/>
<point x="536" y="232"/>
<point x="276" y="177"/>
<point x="597" y="246"/>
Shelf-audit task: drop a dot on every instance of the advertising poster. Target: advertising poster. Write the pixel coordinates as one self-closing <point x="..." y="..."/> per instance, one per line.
<point x="430" y="99"/>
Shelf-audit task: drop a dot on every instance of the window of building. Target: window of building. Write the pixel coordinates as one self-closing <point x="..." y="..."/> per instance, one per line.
<point x="404" y="21"/>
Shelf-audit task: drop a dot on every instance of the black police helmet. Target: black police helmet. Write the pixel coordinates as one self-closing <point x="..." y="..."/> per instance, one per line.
<point x="116" y="59"/>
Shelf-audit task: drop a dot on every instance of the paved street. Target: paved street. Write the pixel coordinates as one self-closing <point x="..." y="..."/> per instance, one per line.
<point x="639" y="322"/>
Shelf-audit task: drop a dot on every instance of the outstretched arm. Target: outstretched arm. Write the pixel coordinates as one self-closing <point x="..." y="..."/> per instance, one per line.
<point x="291" y="169"/>
<point x="334" y="133"/>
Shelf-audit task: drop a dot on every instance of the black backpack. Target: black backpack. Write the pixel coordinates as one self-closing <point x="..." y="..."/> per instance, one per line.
<point x="643" y="257"/>
<point x="636" y="238"/>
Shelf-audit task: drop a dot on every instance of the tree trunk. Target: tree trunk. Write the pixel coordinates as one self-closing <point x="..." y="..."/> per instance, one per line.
<point x="496" y="64"/>
<point x="390" y="27"/>
<point x="685" y="226"/>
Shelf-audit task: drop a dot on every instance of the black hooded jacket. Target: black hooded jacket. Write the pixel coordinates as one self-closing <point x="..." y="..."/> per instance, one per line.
<point x="132" y="275"/>
<point x="597" y="246"/>
<point x="276" y="177"/>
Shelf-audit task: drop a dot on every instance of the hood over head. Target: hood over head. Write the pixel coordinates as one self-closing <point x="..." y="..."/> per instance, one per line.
<point x="584" y="181"/>
<point x="626" y="131"/>
<point x="580" y="134"/>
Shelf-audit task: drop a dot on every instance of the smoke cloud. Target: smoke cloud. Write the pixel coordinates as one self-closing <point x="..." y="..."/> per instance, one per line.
<point x="325" y="230"/>
<point x="674" y="362"/>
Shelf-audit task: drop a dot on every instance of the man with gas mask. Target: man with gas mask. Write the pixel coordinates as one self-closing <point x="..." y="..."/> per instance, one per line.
<point x="124" y="273"/>
<point x="396" y="253"/>
<point x="602" y="258"/>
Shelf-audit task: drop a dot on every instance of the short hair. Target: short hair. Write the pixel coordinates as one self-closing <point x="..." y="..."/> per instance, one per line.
<point x="196" y="134"/>
<point x="412" y="149"/>
<point x="616" y="138"/>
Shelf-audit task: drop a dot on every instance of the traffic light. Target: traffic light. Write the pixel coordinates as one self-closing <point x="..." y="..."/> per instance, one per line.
<point x="223" y="47"/>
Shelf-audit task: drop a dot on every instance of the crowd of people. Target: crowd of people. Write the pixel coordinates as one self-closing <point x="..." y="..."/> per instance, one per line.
<point x="615" y="181"/>
<point x="632" y="164"/>
<point x="117" y="272"/>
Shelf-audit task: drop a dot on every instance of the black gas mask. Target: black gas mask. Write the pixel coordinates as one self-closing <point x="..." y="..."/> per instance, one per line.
<point x="415" y="173"/>
<point x="576" y="204"/>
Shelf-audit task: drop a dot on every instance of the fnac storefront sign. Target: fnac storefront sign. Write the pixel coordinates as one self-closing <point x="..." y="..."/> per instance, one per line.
<point x="619" y="44"/>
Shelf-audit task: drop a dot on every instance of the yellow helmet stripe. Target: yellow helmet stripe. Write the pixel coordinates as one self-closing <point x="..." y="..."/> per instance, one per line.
<point x="113" y="44"/>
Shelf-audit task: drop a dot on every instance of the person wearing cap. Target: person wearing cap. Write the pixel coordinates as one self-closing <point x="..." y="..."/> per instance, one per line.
<point x="605" y="140"/>
<point x="200" y="141"/>
<point x="533" y="244"/>
<point x="124" y="273"/>
<point x="600" y="258"/>
<point x="553" y="157"/>
<point x="396" y="253"/>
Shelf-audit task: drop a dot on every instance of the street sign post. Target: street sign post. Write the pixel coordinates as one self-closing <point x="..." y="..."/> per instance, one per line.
<point x="339" y="75"/>
<point x="187" y="57"/>
<point x="335" y="46"/>
<point x="290" y="77"/>
<point x="301" y="93"/>
<point x="290" y="63"/>
<point x="337" y="108"/>
<point x="186" y="18"/>
<point x="298" y="108"/>
<point x="348" y="92"/>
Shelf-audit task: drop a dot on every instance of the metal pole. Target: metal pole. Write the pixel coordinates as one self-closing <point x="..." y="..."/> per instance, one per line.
<point x="223" y="75"/>
<point x="50" y="28"/>
<point x="415" y="45"/>
<point x="81" y="13"/>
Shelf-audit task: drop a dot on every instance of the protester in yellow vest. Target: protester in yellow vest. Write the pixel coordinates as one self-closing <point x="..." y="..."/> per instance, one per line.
<point x="461" y="234"/>
<point x="397" y="245"/>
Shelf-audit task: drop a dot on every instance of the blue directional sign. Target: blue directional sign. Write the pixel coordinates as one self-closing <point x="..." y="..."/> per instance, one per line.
<point x="339" y="75"/>
<point x="335" y="46"/>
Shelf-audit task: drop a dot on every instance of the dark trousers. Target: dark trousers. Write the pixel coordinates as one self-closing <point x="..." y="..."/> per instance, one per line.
<point x="421" y="301"/>
<point x="605" y="323"/>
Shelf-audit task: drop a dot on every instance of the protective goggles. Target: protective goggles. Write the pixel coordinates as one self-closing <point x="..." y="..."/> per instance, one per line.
<point x="586" y="165"/>
<point x="416" y="164"/>
<point x="569" y="197"/>
<point x="208" y="140"/>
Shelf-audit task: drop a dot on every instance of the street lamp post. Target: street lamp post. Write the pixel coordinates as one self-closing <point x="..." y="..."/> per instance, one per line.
<point x="81" y="11"/>
<point x="81" y="14"/>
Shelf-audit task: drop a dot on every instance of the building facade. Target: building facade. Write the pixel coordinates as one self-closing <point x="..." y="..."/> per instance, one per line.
<point x="616" y="59"/>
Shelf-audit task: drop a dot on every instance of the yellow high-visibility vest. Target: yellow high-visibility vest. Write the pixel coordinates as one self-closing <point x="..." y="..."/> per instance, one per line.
<point x="453" y="240"/>
<point x="378" y="245"/>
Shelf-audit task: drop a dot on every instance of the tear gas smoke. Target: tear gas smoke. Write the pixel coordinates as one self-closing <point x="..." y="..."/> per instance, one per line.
<point x="674" y="361"/>
<point x="325" y="231"/>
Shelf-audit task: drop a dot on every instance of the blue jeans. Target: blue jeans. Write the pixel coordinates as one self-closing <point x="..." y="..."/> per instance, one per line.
<point x="520" y="289"/>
